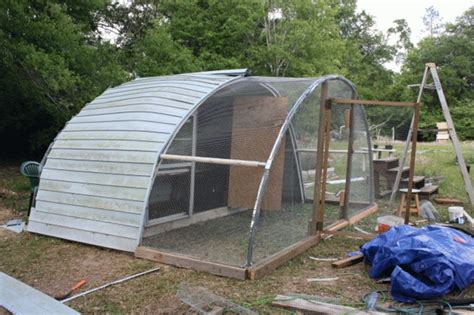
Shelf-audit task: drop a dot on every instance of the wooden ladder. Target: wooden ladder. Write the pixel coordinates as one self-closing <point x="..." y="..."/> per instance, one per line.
<point x="431" y="68"/>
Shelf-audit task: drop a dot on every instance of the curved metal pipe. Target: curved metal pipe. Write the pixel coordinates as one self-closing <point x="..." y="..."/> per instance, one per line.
<point x="276" y="147"/>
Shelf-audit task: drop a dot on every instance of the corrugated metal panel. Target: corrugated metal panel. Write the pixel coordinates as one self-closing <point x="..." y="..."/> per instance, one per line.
<point x="96" y="177"/>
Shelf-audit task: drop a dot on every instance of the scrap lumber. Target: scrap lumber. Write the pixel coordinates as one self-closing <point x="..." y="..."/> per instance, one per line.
<point x="350" y="234"/>
<point x="349" y="261"/>
<point x="19" y="298"/>
<point x="447" y="201"/>
<point x="310" y="306"/>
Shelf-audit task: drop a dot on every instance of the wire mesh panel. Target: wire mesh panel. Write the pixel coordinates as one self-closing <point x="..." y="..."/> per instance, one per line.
<point x="202" y="202"/>
<point x="361" y="185"/>
<point x="239" y="124"/>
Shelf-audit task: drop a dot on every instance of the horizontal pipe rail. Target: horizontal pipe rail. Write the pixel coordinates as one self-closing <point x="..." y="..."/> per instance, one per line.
<point x="348" y="101"/>
<point x="332" y="151"/>
<point x="209" y="160"/>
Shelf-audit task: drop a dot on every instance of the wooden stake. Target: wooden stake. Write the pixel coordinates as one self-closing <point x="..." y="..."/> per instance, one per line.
<point x="319" y="162"/>
<point x="412" y="162"/>
<point x="350" y="151"/>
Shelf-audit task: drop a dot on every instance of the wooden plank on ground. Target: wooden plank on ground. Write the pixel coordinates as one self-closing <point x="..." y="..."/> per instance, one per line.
<point x="19" y="298"/>
<point x="349" y="261"/>
<point x="269" y="264"/>
<point x="350" y="234"/>
<point x="310" y="306"/>
<point x="190" y="262"/>
<point x="447" y="201"/>
<point x="359" y="216"/>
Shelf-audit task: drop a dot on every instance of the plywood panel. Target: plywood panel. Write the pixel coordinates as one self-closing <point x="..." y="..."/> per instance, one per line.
<point x="19" y="298"/>
<point x="109" y="145"/>
<point x="113" y="135"/>
<point x="104" y="155"/>
<point x="257" y="120"/>
<point x="137" y="194"/>
<point x="159" y="127"/>
<point x="117" y="117"/>
<point x="76" y="223"/>
<point x="100" y="167"/>
<point x="90" y="201"/>
<point x="96" y="178"/>
<point x="111" y="216"/>
<point x="87" y="237"/>
<point x="157" y="88"/>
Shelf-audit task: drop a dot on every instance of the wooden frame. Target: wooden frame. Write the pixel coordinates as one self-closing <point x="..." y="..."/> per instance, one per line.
<point x="259" y="269"/>
<point x="190" y="262"/>
<point x="316" y="229"/>
<point x="322" y="158"/>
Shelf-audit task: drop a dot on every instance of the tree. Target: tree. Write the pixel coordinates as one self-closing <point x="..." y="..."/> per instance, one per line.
<point x="432" y="22"/>
<point x="453" y="52"/>
<point x="298" y="38"/>
<point x="52" y="64"/>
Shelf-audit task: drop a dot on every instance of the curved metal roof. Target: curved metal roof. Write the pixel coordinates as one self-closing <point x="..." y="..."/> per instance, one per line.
<point x="100" y="167"/>
<point x="97" y="177"/>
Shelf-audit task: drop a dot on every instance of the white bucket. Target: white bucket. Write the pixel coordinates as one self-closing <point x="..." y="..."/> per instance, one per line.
<point x="455" y="212"/>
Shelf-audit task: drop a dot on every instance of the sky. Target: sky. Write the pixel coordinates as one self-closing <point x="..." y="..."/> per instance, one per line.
<point x="386" y="11"/>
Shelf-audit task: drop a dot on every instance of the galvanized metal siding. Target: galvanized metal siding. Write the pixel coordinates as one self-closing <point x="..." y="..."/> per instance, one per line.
<point x="94" y="184"/>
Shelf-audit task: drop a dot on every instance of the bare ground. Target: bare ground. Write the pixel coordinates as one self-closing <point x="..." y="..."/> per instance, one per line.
<point x="53" y="266"/>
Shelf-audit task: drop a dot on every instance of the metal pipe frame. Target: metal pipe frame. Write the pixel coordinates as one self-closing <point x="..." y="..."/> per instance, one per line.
<point x="276" y="147"/>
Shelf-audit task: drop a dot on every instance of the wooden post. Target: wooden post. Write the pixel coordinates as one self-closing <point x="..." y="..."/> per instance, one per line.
<point x="416" y="117"/>
<point x="407" y="143"/>
<point x="320" y="222"/>
<point x="452" y="133"/>
<point x="319" y="161"/>
<point x="350" y="151"/>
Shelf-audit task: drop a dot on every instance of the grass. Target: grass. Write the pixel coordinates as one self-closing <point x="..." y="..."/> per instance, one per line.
<point x="53" y="265"/>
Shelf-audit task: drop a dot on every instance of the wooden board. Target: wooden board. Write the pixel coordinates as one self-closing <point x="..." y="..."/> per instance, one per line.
<point x="19" y="298"/>
<point x="269" y="264"/>
<point x="257" y="120"/>
<point x="312" y="306"/>
<point x="359" y="216"/>
<point x="190" y="262"/>
<point x="349" y="261"/>
<point x="447" y="201"/>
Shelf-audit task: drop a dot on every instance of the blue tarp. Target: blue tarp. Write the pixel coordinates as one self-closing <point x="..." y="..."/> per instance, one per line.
<point x="423" y="263"/>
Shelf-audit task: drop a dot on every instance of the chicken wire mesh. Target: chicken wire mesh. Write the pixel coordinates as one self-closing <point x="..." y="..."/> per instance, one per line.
<point x="205" y="210"/>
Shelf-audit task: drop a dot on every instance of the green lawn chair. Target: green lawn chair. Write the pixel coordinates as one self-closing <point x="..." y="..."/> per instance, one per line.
<point x="32" y="170"/>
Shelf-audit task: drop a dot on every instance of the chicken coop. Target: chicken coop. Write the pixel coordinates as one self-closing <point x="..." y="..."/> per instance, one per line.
<point x="216" y="171"/>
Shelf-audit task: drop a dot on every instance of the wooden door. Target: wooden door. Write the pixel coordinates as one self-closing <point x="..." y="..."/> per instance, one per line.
<point x="256" y="122"/>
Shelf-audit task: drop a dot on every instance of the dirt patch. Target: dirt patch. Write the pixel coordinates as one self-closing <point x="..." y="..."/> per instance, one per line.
<point x="6" y="215"/>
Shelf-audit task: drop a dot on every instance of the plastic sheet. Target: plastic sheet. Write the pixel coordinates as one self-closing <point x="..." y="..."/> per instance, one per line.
<point x="423" y="263"/>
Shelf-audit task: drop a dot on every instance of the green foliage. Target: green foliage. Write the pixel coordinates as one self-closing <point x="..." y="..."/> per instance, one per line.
<point x="453" y="53"/>
<point x="50" y="69"/>
<point x="55" y="55"/>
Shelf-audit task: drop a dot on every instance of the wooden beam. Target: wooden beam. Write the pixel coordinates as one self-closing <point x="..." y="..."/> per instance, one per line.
<point x="325" y="154"/>
<point x="339" y="224"/>
<point x="307" y="305"/>
<point x="350" y="151"/>
<point x="359" y="216"/>
<point x="350" y="234"/>
<point x="318" y="197"/>
<point x="416" y="118"/>
<point x="190" y="262"/>
<point x="348" y="101"/>
<point x="272" y="262"/>
<point x="349" y="261"/>
<point x="209" y="160"/>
